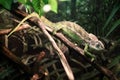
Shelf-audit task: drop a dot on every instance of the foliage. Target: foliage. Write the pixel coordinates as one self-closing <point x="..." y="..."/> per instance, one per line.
<point x="37" y="5"/>
<point x="6" y="4"/>
<point x="115" y="24"/>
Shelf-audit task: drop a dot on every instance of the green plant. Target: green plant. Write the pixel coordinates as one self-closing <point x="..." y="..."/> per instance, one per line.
<point x="114" y="24"/>
<point x="37" y="5"/>
<point x="6" y="4"/>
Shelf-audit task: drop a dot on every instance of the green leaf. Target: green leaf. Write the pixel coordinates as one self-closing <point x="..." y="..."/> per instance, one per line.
<point x="37" y="6"/>
<point x="45" y="1"/>
<point x="22" y="1"/>
<point x="6" y="4"/>
<point x="113" y="27"/>
<point x="54" y="5"/>
<point x="115" y="9"/>
<point x="64" y="0"/>
<point x="25" y="2"/>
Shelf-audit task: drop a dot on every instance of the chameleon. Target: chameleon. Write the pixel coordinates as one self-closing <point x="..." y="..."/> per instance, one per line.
<point x="78" y="35"/>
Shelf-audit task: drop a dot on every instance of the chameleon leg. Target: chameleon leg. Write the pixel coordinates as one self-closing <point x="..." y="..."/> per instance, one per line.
<point x="57" y="28"/>
<point x="87" y="53"/>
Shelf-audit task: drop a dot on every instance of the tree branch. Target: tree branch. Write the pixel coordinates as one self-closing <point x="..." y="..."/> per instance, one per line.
<point x="6" y="31"/>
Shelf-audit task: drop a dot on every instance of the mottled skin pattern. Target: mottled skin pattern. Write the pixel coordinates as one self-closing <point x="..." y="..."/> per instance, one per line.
<point x="87" y="38"/>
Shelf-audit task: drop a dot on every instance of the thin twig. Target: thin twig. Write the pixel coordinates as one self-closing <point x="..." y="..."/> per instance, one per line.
<point x="6" y="31"/>
<point x="60" y="53"/>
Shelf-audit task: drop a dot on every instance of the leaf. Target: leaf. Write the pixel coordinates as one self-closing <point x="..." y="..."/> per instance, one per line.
<point x="115" y="9"/>
<point x="22" y="1"/>
<point x="54" y="5"/>
<point x="64" y="0"/>
<point x="25" y="2"/>
<point x="113" y="27"/>
<point x="37" y="6"/>
<point x="45" y="1"/>
<point x="6" y="4"/>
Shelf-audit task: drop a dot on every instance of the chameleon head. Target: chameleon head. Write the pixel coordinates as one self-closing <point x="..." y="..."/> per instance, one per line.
<point x="96" y="45"/>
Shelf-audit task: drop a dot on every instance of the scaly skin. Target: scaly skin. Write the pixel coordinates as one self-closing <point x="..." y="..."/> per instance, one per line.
<point x="76" y="34"/>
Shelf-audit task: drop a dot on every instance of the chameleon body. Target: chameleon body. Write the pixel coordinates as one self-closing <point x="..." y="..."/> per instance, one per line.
<point x="76" y="34"/>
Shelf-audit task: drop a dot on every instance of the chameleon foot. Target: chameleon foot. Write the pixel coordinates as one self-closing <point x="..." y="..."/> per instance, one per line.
<point x="88" y="54"/>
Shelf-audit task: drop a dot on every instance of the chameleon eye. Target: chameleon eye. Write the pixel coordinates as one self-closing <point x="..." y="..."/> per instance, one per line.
<point x="98" y="45"/>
